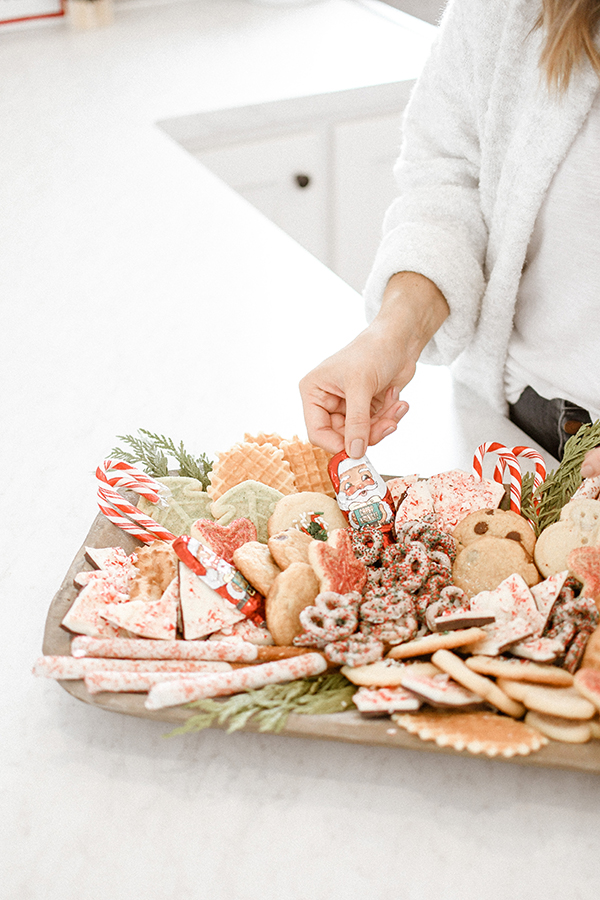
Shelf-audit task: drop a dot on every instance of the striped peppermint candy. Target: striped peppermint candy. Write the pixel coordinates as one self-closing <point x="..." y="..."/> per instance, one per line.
<point x="116" y="473"/>
<point x="507" y="460"/>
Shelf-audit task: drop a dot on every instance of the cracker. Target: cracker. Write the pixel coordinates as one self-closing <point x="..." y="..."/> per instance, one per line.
<point x="484" y="687"/>
<point x="432" y="642"/>
<point x="477" y="732"/>
<point x="565" y="702"/>
<point x="519" y="670"/>
<point x="155" y="569"/>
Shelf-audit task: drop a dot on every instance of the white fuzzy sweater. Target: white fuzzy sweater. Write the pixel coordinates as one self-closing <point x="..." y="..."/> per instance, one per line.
<point x="482" y="140"/>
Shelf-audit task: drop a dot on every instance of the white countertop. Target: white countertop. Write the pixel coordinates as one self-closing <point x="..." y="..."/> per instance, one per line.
<point x="138" y="291"/>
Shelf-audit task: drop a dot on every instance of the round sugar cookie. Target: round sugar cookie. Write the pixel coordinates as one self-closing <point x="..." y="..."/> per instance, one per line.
<point x="484" y="563"/>
<point x="501" y="523"/>
<point x="293" y="589"/>
<point x="578" y="526"/>
<point x="309" y="511"/>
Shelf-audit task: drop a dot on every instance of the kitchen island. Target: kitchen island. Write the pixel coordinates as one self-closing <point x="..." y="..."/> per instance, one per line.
<point x="139" y="291"/>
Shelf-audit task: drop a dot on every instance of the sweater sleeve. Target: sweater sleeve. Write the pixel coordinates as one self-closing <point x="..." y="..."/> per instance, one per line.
<point x="435" y="226"/>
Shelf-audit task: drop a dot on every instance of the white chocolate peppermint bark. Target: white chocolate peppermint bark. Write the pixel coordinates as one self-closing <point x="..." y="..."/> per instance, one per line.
<point x="246" y="679"/>
<point x="132" y="648"/>
<point x="203" y="611"/>
<point x="385" y="701"/>
<point x="85" y="615"/>
<point x="155" y="619"/>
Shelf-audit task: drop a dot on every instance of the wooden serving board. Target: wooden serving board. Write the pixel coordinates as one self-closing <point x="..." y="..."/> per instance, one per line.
<point x="350" y="727"/>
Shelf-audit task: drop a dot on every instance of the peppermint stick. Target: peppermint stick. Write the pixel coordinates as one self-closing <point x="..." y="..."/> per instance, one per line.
<point x="135" y="682"/>
<point x="67" y="668"/>
<point x="134" y="648"/>
<point x="184" y="691"/>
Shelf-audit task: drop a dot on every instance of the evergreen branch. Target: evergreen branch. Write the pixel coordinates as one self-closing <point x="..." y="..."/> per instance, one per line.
<point x="152" y="451"/>
<point x="271" y="706"/>
<point x="560" y="485"/>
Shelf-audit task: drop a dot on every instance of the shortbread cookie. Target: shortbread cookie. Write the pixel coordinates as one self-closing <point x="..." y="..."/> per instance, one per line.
<point x="296" y="587"/>
<point x="484" y="563"/>
<point x="432" y="642"/>
<point x="476" y="732"/>
<point x="249" y="500"/>
<point x="587" y="682"/>
<point x="501" y="523"/>
<point x="565" y="702"/>
<point x="519" y="670"/>
<point x="314" y="513"/>
<point x="578" y="526"/>
<point x="484" y="687"/>
<point x="256" y="564"/>
<point x="255" y="462"/>
<point x="289" y="546"/>
<point x="569" y="731"/>
<point x="386" y="672"/>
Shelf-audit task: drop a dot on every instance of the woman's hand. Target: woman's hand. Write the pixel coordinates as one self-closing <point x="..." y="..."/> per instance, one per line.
<point x="591" y="464"/>
<point x="352" y="400"/>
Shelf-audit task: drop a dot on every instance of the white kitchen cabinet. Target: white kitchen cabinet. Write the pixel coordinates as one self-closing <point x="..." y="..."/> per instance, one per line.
<point x="341" y="146"/>
<point x="364" y="152"/>
<point x="286" y="178"/>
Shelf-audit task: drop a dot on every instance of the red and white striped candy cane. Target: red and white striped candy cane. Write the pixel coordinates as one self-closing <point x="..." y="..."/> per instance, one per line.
<point x="540" y="465"/>
<point x="122" y="513"/>
<point x="507" y="460"/>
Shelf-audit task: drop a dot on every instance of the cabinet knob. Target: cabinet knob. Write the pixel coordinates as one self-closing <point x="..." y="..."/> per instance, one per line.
<point x="302" y="180"/>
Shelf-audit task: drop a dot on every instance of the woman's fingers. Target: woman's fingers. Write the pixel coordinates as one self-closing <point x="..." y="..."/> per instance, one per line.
<point x="591" y="464"/>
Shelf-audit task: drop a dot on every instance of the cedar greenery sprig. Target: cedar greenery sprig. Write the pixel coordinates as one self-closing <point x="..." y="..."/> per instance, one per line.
<point x="152" y="451"/>
<point x="271" y="706"/>
<point x="560" y="484"/>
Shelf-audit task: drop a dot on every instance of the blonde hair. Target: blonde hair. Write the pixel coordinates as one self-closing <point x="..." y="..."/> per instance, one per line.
<point x="570" y="28"/>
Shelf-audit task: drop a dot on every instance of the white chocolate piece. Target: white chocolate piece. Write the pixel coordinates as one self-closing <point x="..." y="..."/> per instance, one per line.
<point x="133" y="648"/>
<point x="221" y="685"/>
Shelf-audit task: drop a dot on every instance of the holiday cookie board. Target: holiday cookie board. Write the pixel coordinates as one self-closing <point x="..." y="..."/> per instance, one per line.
<point x="347" y="726"/>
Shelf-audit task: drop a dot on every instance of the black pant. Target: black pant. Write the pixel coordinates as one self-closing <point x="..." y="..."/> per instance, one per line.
<point x="549" y="422"/>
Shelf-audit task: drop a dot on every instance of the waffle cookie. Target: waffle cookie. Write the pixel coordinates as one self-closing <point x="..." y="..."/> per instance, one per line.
<point x="251" y="462"/>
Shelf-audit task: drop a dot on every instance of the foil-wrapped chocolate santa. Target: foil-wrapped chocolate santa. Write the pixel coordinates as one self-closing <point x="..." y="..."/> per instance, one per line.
<point x="362" y="493"/>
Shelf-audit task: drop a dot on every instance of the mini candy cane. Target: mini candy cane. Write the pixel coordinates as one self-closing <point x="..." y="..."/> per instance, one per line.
<point x="122" y="513"/>
<point x="540" y="465"/>
<point x="508" y="460"/>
